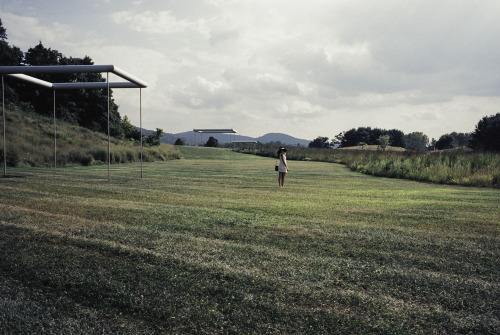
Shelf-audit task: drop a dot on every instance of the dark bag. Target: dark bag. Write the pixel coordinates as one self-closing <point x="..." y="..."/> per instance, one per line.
<point x="276" y="168"/>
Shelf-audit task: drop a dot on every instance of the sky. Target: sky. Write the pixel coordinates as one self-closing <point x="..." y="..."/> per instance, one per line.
<point x="304" y="68"/>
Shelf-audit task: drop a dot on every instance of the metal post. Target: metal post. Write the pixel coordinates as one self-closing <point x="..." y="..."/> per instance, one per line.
<point x="140" y="121"/>
<point x="109" y="136"/>
<point x="4" y="137"/>
<point x="55" y="135"/>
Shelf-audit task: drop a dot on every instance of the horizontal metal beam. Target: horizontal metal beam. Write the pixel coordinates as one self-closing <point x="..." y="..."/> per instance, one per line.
<point x="40" y="69"/>
<point x="215" y="131"/>
<point x="127" y="76"/>
<point x="73" y="86"/>
<point x="30" y="79"/>
<point x="89" y="85"/>
<point x="44" y="69"/>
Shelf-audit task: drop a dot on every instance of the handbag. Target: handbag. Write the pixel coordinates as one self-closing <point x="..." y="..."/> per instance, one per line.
<point x="276" y="166"/>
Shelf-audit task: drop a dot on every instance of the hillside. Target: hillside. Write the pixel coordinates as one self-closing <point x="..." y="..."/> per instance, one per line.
<point x="30" y="142"/>
<point x="189" y="138"/>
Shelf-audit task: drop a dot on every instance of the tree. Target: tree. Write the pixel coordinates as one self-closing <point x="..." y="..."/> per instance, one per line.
<point x="351" y="138"/>
<point x="461" y="139"/>
<point x="369" y="136"/>
<point x="129" y="130"/>
<point x="383" y="141"/>
<point x="453" y="140"/>
<point x="416" y="141"/>
<point x="212" y="142"/>
<point x="180" y="141"/>
<point x="320" y="142"/>
<point x="9" y="55"/>
<point x="337" y="139"/>
<point x="396" y="138"/>
<point x="3" y="32"/>
<point x="444" y="142"/>
<point x="154" y="139"/>
<point x="40" y="55"/>
<point x="487" y="134"/>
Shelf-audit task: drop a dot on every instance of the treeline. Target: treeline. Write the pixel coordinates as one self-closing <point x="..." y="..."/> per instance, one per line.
<point x="485" y="138"/>
<point x="85" y="108"/>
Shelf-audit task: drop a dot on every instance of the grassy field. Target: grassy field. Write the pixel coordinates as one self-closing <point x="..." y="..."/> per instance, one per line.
<point x="460" y="166"/>
<point x="209" y="244"/>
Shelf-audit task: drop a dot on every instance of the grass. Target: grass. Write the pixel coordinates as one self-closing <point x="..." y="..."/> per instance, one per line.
<point x="453" y="167"/>
<point x="30" y="142"/>
<point x="212" y="245"/>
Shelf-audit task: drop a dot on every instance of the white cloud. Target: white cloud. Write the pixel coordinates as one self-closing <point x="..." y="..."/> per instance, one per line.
<point x="305" y="67"/>
<point x="28" y="31"/>
<point x="161" y="22"/>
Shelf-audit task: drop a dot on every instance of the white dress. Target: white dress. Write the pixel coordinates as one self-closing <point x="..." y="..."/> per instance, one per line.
<point x="282" y="166"/>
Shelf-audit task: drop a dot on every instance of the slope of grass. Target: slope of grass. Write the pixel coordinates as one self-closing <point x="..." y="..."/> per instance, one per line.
<point x="30" y="142"/>
<point x="213" y="246"/>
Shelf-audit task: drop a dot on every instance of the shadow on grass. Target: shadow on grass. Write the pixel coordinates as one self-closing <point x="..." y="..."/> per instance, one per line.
<point x="61" y="284"/>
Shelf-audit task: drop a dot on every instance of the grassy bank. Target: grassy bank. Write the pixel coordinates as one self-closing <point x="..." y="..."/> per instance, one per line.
<point x="454" y="167"/>
<point x="30" y="142"/>
<point x="213" y="246"/>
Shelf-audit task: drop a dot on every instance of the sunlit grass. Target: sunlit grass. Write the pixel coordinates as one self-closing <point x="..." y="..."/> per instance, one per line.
<point x="210" y="244"/>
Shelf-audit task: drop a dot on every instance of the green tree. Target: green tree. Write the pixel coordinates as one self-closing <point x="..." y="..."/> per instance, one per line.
<point x="180" y="141"/>
<point x="319" y="142"/>
<point x="444" y="142"/>
<point x="487" y="134"/>
<point x="9" y="55"/>
<point x="87" y="108"/>
<point x="416" y="141"/>
<point x="212" y="142"/>
<point x="396" y="137"/>
<point x="154" y="139"/>
<point x="129" y="130"/>
<point x="453" y="140"/>
<point x="383" y="141"/>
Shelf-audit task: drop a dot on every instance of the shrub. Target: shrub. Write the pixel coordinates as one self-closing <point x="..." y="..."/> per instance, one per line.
<point x="11" y="156"/>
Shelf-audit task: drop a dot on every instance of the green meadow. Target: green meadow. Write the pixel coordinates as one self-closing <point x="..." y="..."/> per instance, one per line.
<point x="208" y="244"/>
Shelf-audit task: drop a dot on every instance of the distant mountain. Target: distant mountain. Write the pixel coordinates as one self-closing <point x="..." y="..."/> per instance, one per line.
<point x="190" y="138"/>
<point x="283" y="138"/>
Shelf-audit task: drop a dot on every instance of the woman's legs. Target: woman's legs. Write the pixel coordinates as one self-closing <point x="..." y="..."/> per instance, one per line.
<point x="281" y="179"/>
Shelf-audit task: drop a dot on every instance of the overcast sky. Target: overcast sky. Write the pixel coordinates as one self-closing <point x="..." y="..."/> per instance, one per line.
<point x="304" y="68"/>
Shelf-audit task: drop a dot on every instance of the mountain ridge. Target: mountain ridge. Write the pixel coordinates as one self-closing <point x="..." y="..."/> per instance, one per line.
<point x="192" y="138"/>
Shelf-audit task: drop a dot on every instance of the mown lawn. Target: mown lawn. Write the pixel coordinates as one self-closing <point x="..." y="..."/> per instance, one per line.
<point x="210" y="244"/>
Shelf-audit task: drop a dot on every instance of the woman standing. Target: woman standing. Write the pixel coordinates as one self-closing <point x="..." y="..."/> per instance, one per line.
<point x="282" y="167"/>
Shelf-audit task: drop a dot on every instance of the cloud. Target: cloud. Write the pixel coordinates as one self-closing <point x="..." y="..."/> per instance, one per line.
<point x="25" y="32"/>
<point x="201" y="93"/>
<point x="161" y="22"/>
<point x="305" y="67"/>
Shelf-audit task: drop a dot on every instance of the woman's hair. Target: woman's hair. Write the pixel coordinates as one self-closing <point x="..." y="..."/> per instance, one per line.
<point x="280" y="150"/>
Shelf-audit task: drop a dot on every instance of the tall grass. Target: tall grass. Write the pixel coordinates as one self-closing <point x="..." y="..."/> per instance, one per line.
<point x="30" y="142"/>
<point x="454" y="167"/>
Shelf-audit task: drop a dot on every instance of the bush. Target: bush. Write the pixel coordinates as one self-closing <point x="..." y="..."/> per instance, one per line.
<point x="79" y="157"/>
<point x="99" y="154"/>
<point x="12" y="157"/>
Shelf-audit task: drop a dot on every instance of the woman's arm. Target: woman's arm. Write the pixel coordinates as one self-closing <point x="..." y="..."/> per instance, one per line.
<point x="284" y="162"/>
